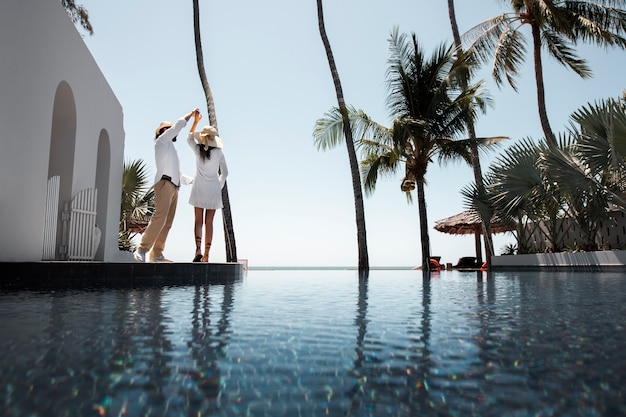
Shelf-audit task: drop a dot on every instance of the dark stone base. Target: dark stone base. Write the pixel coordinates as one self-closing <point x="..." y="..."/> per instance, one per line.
<point x="56" y="275"/>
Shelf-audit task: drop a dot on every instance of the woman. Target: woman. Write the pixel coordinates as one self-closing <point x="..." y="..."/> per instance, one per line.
<point x="206" y="191"/>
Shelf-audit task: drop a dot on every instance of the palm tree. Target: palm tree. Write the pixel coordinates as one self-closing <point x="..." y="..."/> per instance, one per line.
<point x="354" y="164"/>
<point x="229" y="232"/>
<point x="556" y="26"/>
<point x="137" y="204"/>
<point x="78" y="14"/>
<point x="430" y="107"/>
<point x="480" y="194"/>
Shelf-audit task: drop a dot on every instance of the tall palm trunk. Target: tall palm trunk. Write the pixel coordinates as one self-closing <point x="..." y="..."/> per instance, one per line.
<point x="541" y="94"/>
<point x="354" y="165"/>
<point x="229" y="233"/>
<point x="478" y="176"/>
<point x="425" y="238"/>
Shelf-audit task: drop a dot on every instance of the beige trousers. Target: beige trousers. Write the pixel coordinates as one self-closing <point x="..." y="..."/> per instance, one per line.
<point x="155" y="235"/>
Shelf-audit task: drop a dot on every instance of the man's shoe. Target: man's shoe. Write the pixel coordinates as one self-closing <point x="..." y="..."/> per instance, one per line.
<point x="160" y="259"/>
<point x="140" y="256"/>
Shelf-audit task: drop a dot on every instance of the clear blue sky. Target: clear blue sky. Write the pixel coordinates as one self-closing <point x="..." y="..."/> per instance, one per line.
<point x="293" y="205"/>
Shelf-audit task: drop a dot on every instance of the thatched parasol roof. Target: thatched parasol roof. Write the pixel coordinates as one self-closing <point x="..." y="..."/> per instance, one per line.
<point x="468" y="222"/>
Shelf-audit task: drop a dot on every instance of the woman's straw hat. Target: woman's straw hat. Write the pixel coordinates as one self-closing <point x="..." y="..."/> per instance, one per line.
<point x="208" y="137"/>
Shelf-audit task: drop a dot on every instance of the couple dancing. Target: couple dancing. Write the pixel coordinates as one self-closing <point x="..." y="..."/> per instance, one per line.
<point x="206" y="190"/>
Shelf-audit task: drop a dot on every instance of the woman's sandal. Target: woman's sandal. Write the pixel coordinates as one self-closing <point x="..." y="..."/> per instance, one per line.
<point x="207" y="247"/>
<point x="198" y="256"/>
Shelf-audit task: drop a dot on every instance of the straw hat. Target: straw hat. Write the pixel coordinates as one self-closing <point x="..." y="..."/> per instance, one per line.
<point x="208" y="137"/>
<point x="162" y="125"/>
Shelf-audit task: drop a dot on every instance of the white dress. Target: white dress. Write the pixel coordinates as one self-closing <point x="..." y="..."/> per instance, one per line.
<point x="211" y="173"/>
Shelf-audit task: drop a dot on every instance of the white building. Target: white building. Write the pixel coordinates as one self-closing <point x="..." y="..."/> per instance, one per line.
<point x="59" y="119"/>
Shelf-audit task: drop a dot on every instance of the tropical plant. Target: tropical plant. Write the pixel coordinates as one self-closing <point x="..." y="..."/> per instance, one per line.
<point x="78" y="14"/>
<point x="509" y="249"/>
<point x="137" y="203"/>
<point x="227" y="218"/>
<point x="347" y="131"/>
<point x="551" y="189"/>
<point x="591" y="173"/>
<point x="556" y="26"/>
<point x="522" y="191"/>
<point x="600" y="131"/>
<point x="429" y="108"/>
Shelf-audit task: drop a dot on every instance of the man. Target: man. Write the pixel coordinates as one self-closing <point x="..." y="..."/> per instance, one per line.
<point x="167" y="182"/>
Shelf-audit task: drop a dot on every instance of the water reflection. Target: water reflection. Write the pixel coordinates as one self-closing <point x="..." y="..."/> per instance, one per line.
<point x="205" y="372"/>
<point x="357" y="391"/>
<point x="140" y="351"/>
<point x="400" y="380"/>
<point x="326" y="343"/>
<point x="206" y="347"/>
<point x="109" y="353"/>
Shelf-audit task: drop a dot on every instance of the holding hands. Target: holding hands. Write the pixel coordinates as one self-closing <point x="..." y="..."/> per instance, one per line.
<point x="196" y="118"/>
<point x="195" y="112"/>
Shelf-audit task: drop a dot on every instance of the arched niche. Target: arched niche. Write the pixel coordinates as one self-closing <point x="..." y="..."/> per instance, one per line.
<point x="103" y="171"/>
<point x="62" y="149"/>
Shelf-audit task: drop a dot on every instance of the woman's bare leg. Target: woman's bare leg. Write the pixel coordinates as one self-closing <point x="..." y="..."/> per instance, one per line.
<point x="197" y="228"/>
<point x="208" y="233"/>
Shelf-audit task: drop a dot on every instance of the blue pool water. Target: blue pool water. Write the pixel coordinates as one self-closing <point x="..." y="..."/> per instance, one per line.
<point x="321" y="343"/>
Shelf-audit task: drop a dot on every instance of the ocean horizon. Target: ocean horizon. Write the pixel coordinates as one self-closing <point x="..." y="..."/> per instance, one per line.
<point x="325" y="268"/>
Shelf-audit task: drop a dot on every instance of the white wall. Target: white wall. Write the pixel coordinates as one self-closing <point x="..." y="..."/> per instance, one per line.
<point x="614" y="258"/>
<point x="612" y="236"/>
<point x="40" y="50"/>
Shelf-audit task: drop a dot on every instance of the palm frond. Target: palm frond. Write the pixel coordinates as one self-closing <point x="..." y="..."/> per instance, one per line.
<point x="599" y="22"/>
<point x="137" y="202"/>
<point x="365" y="129"/>
<point x="135" y="177"/>
<point x="498" y="42"/>
<point x="462" y="147"/>
<point x="561" y="51"/>
<point x="509" y="56"/>
<point x="474" y="200"/>
<point x="373" y="165"/>
<point x="516" y="180"/>
<point x="328" y="131"/>
<point x="601" y="144"/>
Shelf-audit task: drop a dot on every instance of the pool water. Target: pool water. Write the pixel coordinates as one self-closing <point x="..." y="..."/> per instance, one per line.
<point x="321" y="343"/>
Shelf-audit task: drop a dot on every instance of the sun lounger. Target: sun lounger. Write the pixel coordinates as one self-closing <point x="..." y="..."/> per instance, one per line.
<point x="468" y="262"/>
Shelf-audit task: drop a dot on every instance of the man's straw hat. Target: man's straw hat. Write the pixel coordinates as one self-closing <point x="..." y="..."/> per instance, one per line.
<point x="162" y="125"/>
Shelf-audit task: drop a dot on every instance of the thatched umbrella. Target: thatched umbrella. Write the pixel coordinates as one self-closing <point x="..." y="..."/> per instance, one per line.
<point x="468" y="222"/>
<point x="137" y="225"/>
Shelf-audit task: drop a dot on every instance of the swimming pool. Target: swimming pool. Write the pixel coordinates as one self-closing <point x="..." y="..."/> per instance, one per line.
<point x="316" y="343"/>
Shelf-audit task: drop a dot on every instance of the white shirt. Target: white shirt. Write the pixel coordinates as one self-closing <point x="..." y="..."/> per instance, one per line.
<point x="167" y="161"/>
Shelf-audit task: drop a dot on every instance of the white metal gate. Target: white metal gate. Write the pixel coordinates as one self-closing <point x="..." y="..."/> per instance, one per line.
<point x="83" y="237"/>
<point x="51" y="218"/>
